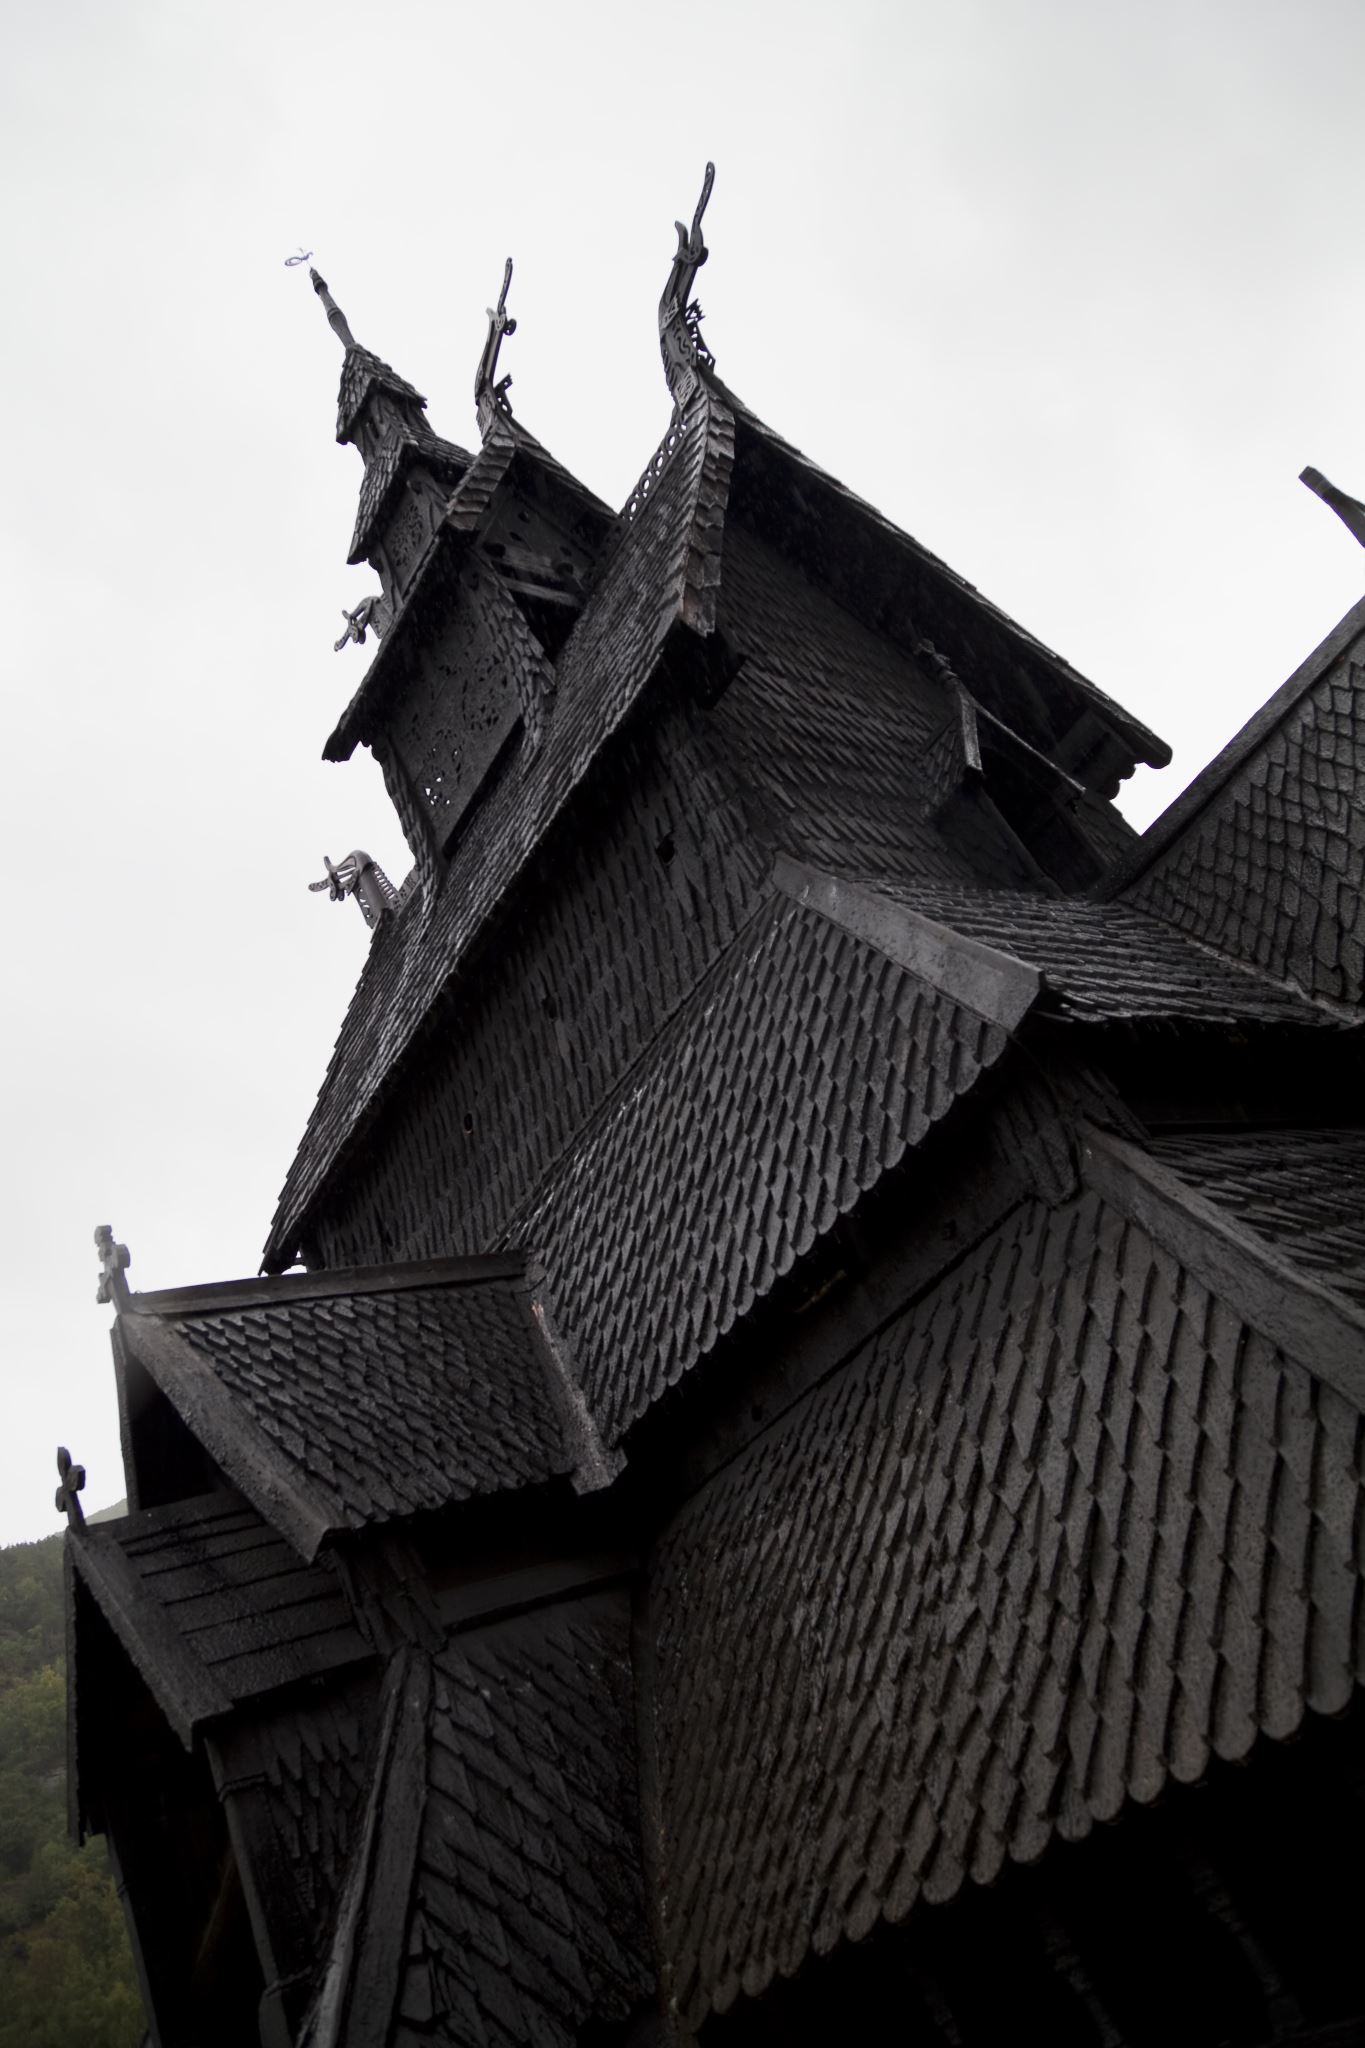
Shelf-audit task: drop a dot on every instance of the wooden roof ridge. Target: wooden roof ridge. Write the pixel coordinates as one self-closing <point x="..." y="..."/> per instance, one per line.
<point x="983" y="978"/>
<point x="1148" y="746"/>
<point x="1208" y="785"/>
<point x="1320" y="1329"/>
<point x="274" y="1290"/>
<point x="1086" y="952"/>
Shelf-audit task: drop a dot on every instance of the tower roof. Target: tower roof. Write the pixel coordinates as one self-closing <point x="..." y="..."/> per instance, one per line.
<point x="362" y="370"/>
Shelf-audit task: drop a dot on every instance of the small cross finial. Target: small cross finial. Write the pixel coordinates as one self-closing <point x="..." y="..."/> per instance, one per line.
<point x="490" y="397"/>
<point x="68" y="1493"/>
<point x="114" y="1263"/>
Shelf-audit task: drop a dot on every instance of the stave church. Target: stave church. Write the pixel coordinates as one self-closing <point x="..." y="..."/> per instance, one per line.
<point x="793" y="1469"/>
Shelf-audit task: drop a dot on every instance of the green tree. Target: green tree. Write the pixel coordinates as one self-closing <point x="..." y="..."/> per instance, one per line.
<point x="66" y="1974"/>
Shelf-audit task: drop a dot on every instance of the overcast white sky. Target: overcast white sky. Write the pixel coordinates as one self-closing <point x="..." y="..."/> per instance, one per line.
<point x="1070" y="291"/>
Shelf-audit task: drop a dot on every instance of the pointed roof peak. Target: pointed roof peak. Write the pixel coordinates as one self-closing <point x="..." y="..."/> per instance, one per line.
<point x="362" y="368"/>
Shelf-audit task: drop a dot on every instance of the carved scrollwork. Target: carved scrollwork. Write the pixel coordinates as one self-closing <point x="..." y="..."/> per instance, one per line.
<point x="680" y="317"/>
<point x="490" y="393"/>
<point x="657" y="465"/>
<point x="365" y="618"/>
<point x="363" y="878"/>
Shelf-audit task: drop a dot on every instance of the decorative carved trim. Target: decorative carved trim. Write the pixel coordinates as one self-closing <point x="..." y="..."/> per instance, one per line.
<point x="658" y="463"/>
<point x="490" y="396"/>
<point x="368" y="616"/>
<point x="680" y="343"/>
<point x="363" y="878"/>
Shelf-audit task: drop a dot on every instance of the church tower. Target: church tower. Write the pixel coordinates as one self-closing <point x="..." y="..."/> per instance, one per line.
<point x="801" y="1425"/>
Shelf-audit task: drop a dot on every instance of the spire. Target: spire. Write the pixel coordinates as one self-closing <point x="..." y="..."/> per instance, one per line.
<point x="336" y="319"/>
<point x="490" y="398"/>
<point x="1349" y="510"/>
<point x="363" y="372"/>
<point x="680" y="342"/>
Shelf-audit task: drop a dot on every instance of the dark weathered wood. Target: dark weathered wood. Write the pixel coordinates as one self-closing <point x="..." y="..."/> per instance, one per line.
<point x="249" y="1457"/>
<point x="1178" y="817"/>
<point x="1312" y="1324"/>
<point x="233" y="1295"/>
<point x="359" y="1982"/>
<point x="994" y="984"/>
<point x="831" y="1394"/>
<point x="176" y="1678"/>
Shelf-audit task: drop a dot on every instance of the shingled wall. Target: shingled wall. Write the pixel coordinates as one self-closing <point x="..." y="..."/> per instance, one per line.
<point x="526" y="1915"/>
<point x="829" y="724"/>
<point x="597" y="956"/>
<point x="1067" y="1529"/>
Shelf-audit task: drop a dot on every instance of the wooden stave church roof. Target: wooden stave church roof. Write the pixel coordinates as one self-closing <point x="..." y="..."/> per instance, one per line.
<point x="1180" y="985"/>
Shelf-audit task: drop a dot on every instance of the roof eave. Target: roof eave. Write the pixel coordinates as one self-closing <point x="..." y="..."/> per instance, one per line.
<point x="1145" y="746"/>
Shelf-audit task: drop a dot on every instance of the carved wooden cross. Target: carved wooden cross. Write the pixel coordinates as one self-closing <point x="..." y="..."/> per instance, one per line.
<point x="114" y="1263"/>
<point x="68" y="1493"/>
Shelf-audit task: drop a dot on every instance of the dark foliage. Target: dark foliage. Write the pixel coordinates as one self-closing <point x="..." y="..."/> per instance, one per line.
<point x="66" y="1974"/>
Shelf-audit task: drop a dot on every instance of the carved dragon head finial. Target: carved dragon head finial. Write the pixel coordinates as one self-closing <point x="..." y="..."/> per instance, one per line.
<point x="1349" y="510"/>
<point x="72" y="1477"/>
<point x="336" y="319"/>
<point x="680" y="317"/>
<point x="114" y="1263"/>
<point x="363" y="878"/>
<point x="490" y="397"/>
<point x="366" y="618"/>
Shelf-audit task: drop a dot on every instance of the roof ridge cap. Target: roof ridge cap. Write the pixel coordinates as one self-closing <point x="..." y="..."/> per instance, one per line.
<point x="982" y="977"/>
<point x="268" y="1289"/>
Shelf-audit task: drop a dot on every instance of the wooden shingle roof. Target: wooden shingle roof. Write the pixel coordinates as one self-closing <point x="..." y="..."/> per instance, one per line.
<point x="355" y="1399"/>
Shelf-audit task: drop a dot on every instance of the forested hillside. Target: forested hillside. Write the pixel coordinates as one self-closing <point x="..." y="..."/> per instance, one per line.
<point x="66" y="1977"/>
